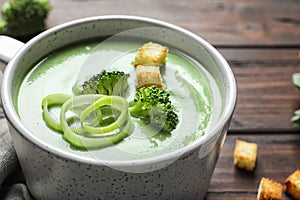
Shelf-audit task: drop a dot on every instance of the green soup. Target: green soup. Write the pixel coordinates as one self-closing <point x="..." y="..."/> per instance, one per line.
<point x="193" y="92"/>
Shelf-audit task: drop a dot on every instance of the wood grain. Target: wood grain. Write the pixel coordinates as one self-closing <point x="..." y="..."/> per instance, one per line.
<point x="220" y="22"/>
<point x="261" y="42"/>
<point x="238" y="196"/>
<point x="278" y="157"/>
<point x="267" y="97"/>
<point x="234" y="22"/>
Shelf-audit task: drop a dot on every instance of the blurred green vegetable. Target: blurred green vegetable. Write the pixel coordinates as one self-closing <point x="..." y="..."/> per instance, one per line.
<point x="296" y="118"/>
<point x="24" y="18"/>
<point x="296" y="81"/>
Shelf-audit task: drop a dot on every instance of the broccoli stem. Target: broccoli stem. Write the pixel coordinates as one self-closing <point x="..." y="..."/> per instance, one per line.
<point x="137" y="109"/>
<point x="110" y="91"/>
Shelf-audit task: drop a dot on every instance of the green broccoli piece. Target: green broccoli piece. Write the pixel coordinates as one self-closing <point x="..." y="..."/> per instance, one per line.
<point x="2" y="26"/>
<point x="296" y="81"/>
<point x="153" y="105"/>
<point x="23" y="18"/>
<point x="296" y="118"/>
<point x="107" y="83"/>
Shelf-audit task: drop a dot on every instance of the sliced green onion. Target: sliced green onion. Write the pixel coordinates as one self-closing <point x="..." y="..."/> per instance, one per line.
<point x="116" y="102"/>
<point x="50" y="100"/>
<point x="72" y="120"/>
<point x="80" y="141"/>
<point x="89" y="142"/>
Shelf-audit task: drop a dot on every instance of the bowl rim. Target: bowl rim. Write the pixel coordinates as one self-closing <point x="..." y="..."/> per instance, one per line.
<point x="14" y="120"/>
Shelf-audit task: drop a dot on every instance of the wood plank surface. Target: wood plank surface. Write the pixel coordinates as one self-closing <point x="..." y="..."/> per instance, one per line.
<point x="267" y="97"/>
<point x="238" y="196"/>
<point x="220" y="22"/>
<point x="234" y="22"/>
<point x="278" y="157"/>
<point x="261" y="42"/>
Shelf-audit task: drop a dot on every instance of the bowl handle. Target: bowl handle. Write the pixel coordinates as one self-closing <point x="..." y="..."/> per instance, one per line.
<point x="8" y="49"/>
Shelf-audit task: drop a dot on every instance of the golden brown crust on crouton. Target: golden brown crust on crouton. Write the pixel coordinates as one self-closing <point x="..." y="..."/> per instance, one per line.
<point x="245" y="155"/>
<point x="148" y="76"/>
<point x="269" y="190"/>
<point x="151" y="54"/>
<point x="292" y="185"/>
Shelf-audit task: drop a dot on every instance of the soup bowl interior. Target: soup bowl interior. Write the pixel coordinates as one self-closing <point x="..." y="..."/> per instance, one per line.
<point x="106" y="26"/>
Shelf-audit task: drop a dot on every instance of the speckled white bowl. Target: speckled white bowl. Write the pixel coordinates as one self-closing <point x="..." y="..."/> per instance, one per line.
<point x="54" y="174"/>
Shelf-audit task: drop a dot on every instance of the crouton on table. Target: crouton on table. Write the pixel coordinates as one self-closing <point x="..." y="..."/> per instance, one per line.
<point x="292" y="185"/>
<point x="269" y="190"/>
<point x="245" y="155"/>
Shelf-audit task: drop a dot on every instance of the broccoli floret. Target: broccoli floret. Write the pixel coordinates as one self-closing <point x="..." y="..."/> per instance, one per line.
<point x="107" y="83"/>
<point x="153" y="105"/>
<point x="2" y="26"/>
<point x="23" y="18"/>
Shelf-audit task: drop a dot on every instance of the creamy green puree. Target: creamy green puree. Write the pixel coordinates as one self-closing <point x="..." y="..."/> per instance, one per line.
<point x="194" y="94"/>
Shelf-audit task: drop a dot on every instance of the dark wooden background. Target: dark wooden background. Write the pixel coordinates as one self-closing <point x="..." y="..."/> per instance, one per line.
<point x="261" y="41"/>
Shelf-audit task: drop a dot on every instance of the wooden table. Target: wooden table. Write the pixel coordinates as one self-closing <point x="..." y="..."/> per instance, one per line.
<point x="261" y="41"/>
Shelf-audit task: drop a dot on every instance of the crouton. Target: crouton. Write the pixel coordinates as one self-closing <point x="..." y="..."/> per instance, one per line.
<point x="151" y="54"/>
<point x="292" y="185"/>
<point x="148" y="76"/>
<point x="245" y="155"/>
<point x="269" y="189"/>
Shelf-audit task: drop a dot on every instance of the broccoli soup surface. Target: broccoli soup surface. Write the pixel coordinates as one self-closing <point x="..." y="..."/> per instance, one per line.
<point x="194" y="94"/>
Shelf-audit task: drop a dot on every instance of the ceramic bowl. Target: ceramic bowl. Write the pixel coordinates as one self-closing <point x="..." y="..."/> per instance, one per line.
<point x="52" y="173"/>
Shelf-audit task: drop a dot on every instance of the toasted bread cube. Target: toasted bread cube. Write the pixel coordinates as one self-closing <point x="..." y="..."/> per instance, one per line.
<point x="292" y="185"/>
<point x="148" y="76"/>
<point x="269" y="189"/>
<point x="151" y="54"/>
<point x="245" y="155"/>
